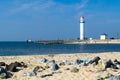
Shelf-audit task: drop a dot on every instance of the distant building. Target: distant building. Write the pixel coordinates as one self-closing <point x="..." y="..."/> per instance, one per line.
<point x="103" y="36"/>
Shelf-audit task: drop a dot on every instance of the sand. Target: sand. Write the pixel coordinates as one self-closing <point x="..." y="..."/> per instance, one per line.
<point x="85" y="72"/>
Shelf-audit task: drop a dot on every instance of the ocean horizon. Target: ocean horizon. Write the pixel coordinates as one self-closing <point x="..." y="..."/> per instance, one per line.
<point x="15" y="48"/>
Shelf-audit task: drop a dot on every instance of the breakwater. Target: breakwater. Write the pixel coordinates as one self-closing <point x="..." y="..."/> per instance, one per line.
<point x="107" y="41"/>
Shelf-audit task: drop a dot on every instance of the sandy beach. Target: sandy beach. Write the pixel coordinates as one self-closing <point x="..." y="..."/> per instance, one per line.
<point x="64" y="72"/>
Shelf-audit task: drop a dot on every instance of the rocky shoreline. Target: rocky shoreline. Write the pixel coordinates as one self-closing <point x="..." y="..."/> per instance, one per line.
<point x="103" y="66"/>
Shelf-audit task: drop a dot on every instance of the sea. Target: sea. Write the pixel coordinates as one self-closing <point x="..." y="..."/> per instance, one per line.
<point x="23" y="48"/>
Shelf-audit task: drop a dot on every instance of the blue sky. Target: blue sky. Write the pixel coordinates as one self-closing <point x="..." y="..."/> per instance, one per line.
<point x="57" y="19"/>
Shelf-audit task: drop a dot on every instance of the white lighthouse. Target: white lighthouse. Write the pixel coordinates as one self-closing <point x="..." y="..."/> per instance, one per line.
<point x="82" y="28"/>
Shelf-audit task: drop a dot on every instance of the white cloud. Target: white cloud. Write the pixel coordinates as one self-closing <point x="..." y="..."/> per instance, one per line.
<point x="82" y="4"/>
<point x="44" y="5"/>
<point x="34" y="5"/>
<point x="38" y="5"/>
<point x="80" y="8"/>
<point x="49" y="6"/>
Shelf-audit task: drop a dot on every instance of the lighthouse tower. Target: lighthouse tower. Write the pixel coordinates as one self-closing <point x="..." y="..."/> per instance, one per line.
<point x="82" y="28"/>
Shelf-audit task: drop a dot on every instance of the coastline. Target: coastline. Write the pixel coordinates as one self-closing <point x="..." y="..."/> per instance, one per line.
<point x="85" y="72"/>
<point x="96" y="41"/>
<point x="107" y="41"/>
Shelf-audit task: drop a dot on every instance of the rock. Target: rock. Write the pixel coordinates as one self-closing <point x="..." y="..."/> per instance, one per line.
<point x="9" y="75"/>
<point x="2" y="64"/>
<point x="75" y="70"/>
<point x="116" y="62"/>
<point x="118" y="66"/>
<point x="95" y="60"/>
<point x="110" y="64"/>
<point x="49" y="75"/>
<point x="109" y="75"/>
<point x="43" y="76"/>
<point x="67" y="62"/>
<point x="4" y="74"/>
<point x="17" y="64"/>
<point x="86" y="61"/>
<point x="11" y="67"/>
<point x="114" y="78"/>
<point x="49" y="63"/>
<point x="43" y="60"/>
<point x="20" y="64"/>
<point x="2" y="70"/>
<point x="23" y="65"/>
<point x="38" y="69"/>
<point x="30" y="74"/>
<point x="77" y="61"/>
<point x="54" y="67"/>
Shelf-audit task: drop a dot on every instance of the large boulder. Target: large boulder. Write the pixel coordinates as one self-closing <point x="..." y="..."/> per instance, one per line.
<point x="17" y="64"/>
<point x="4" y="74"/>
<point x="2" y="64"/>
<point x="2" y="70"/>
<point x="20" y="64"/>
<point x="116" y="62"/>
<point x="12" y="67"/>
<point x="54" y="67"/>
<point x="95" y="60"/>
<point x="110" y="64"/>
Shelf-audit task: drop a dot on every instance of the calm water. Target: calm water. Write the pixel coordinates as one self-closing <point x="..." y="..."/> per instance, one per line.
<point x="23" y="48"/>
